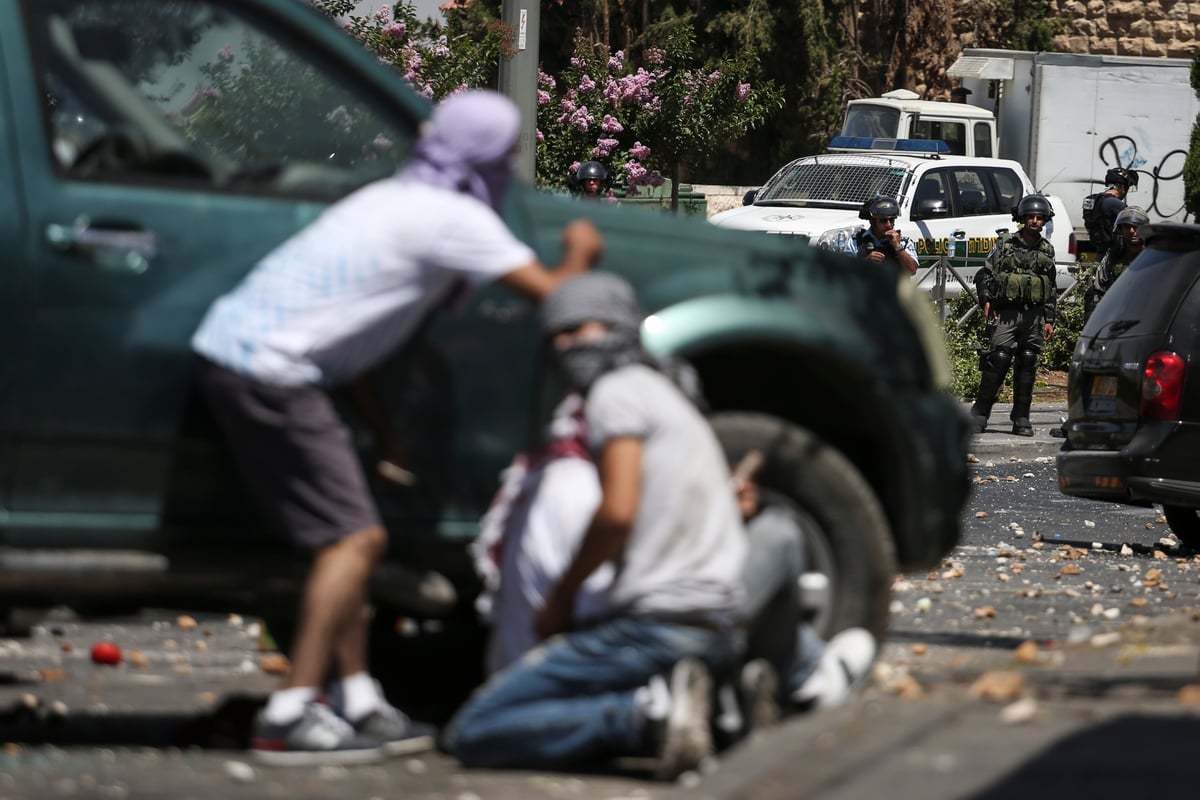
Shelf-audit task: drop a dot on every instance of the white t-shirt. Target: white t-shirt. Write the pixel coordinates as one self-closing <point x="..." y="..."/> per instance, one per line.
<point x="341" y="294"/>
<point x="685" y="553"/>
<point x="546" y="524"/>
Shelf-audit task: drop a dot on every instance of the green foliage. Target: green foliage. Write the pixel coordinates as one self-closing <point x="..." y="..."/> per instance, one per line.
<point x="1191" y="166"/>
<point x="1032" y="26"/>
<point x="962" y="344"/>
<point x="1056" y="354"/>
<point x="798" y="46"/>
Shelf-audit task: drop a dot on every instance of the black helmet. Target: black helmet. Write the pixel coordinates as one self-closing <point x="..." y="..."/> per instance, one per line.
<point x="1032" y="204"/>
<point x="879" y="206"/>
<point x="1131" y="215"/>
<point x="1122" y="177"/>
<point x="591" y="169"/>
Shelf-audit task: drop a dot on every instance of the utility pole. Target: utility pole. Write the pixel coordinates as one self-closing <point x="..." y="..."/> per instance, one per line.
<point x="518" y="76"/>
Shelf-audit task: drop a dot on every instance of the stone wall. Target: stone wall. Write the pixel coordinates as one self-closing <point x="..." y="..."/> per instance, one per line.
<point x="1129" y="27"/>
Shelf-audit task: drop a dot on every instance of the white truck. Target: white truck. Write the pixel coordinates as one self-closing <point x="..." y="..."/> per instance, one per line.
<point x="1065" y="118"/>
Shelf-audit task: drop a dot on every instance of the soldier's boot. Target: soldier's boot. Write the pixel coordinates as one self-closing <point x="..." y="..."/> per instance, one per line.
<point x="992" y="369"/>
<point x="1024" y="374"/>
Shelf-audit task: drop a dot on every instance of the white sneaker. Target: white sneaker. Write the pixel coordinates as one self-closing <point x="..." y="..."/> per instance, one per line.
<point x="684" y="736"/>
<point x="843" y="666"/>
<point x="759" y="686"/>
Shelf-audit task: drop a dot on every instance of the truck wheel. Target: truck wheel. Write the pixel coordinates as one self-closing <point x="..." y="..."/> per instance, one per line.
<point x="852" y="546"/>
<point x="1185" y="522"/>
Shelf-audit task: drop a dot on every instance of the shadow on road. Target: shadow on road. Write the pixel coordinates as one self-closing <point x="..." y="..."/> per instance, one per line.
<point x="225" y="727"/>
<point x="1130" y="756"/>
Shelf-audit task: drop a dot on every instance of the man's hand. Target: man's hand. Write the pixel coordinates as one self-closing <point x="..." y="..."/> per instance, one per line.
<point x="987" y="311"/>
<point x="876" y="256"/>
<point x="583" y="243"/>
<point x="554" y="617"/>
<point x="1047" y="331"/>
<point x="582" y="246"/>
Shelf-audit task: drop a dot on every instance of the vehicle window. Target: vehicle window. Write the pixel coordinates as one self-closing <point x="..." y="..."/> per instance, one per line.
<point x="953" y="134"/>
<point x="875" y="122"/>
<point x="983" y="140"/>
<point x="198" y="91"/>
<point x="832" y="183"/>
<point x="931" y="187"/>
<point x="1149" y="290"/>
<point x="973" y="197"/>
<point x="1007" y="186"/>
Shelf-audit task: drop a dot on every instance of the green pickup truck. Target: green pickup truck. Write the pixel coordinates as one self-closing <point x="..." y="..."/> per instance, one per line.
<point x="153" y="150"/>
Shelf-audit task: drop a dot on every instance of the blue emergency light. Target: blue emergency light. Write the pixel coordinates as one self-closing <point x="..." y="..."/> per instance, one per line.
<point x="894" y="145"/>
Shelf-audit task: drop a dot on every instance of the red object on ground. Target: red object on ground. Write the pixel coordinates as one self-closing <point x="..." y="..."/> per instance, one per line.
<point x="106" y="653"/>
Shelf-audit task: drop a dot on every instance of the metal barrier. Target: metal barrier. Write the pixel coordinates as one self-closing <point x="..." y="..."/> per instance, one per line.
<point x="944" y="271"/>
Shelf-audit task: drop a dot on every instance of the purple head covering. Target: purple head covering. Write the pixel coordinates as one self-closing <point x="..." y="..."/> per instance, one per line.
<point x="467" y="146"/>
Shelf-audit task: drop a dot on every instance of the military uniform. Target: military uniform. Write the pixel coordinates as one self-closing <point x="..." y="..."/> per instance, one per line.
<point x="1108" y="270"/>
<point x="1019" y="284"/>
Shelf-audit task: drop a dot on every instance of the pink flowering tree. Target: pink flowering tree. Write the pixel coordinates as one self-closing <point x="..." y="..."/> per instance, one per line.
<point x="646" y="122"/>
<point x="438" y="60"/>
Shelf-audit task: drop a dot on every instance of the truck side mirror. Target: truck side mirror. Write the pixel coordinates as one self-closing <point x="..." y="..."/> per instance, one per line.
<point x="749" y="196"/>
<point x="932" y="208"/>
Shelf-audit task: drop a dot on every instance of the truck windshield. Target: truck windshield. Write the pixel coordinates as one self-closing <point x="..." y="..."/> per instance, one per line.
<point x="952" y="133"/>
<point x="843" y="183"/>
<point x="876" y="122"/>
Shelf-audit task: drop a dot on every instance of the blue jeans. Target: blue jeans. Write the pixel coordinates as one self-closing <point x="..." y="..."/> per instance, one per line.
<point x="572" y="699"/>
<point x="771" y="579"/>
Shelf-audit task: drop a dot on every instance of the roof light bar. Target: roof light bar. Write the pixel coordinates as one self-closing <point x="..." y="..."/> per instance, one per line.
<point x="895" y="145"/>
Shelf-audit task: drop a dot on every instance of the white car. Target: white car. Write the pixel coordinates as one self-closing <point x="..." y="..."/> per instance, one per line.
<point x="950" y="206"/>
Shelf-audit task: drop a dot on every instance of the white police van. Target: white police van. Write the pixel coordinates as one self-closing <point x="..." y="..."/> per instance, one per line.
<point x="951" y="207"/>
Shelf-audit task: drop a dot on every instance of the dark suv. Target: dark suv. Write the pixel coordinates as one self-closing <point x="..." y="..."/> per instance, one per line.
<point x="1133" y="432"/>
<point x="154" y="150"/>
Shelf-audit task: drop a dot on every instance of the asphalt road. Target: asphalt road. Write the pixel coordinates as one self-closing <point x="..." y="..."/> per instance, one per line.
<point x="1052" y="654"/>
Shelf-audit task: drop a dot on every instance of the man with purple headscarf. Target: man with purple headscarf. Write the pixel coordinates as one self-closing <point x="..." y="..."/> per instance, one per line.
<point x="318" y="312"/>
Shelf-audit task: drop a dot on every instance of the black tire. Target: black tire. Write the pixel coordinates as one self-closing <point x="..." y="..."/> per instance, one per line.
<point x="854" y="547"/>
<point x="1185" y="522"/>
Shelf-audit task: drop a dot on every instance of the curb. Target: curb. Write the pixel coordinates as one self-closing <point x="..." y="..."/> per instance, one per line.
<point x="997" y="441"/>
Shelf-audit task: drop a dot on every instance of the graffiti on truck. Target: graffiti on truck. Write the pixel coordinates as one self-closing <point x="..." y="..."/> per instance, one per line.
<point x="1121" y="151"/>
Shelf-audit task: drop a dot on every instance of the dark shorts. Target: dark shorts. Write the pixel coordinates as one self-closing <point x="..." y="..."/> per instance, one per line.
<point x="294" y="454"/>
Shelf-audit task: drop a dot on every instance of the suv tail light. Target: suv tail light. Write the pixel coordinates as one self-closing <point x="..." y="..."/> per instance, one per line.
<point x="1071" y="244"/>
<point x="1162" y="386"/>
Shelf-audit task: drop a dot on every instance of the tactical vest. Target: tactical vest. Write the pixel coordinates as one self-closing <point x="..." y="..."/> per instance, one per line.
<point x="1111" y="268"/>
<point x="1099" y="230"/>
<point x="865" y="244"/>
<point x="1023" y="276"/>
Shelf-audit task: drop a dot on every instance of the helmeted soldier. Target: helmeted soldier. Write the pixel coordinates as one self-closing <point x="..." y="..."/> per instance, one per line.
<point x="1100" y="210"/>
<point x="592" y="178"/>
<point x="1127" y="244"/>
<point x="880" y="242"/>
<point x="1017" y="289"/>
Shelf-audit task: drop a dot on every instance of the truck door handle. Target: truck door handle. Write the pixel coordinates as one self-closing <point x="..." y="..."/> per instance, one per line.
<point x="116" y="247"/>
